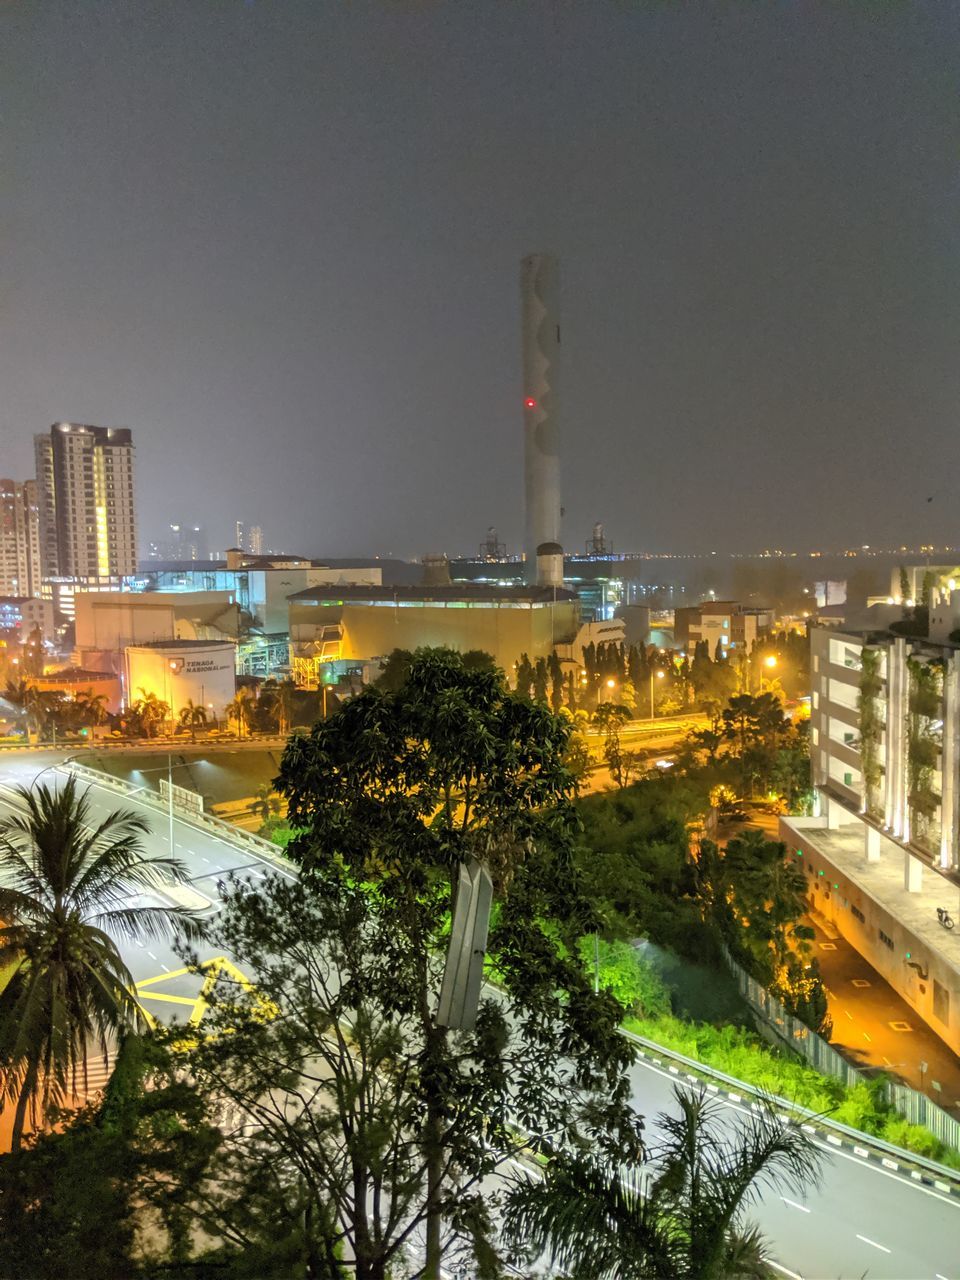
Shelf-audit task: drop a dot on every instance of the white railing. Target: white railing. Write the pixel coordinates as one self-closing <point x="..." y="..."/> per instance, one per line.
<point x="203" y="821"/>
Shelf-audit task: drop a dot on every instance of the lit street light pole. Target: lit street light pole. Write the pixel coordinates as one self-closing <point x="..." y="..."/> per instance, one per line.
<point x="659" y="676"/>
<point x="769" y="661"/>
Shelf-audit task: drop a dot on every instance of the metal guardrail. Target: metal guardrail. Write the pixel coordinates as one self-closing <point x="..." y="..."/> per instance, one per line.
<point x="945" y="1179"/>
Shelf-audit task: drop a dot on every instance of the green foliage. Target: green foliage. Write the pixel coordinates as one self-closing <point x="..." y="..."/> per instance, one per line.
<point x="103" y="1195"/>
<point x="871" y="727"/>
<point x="632" y="857"/>
<point x="634" y="983"/>
<point x="923" y="750"/>
<point x="396" y="793"/>
<point x="66" y="991"/>
<point x="755" y="895"/>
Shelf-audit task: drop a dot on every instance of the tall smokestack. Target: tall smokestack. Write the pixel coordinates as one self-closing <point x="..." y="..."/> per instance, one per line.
<point x="540" y="299"/>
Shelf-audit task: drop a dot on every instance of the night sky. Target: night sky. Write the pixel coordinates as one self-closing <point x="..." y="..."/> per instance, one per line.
<point x="280" y="241"/>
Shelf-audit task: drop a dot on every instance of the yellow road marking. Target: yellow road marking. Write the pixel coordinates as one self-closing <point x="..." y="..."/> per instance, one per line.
<point x="199" y="1003"/>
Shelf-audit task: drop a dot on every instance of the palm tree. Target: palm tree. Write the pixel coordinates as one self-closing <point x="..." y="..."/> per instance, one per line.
<point x="239" y="708"/>
<point x="194" y="716"/>
<point x="278" y="698"/>
<point x="267" y="805"/>
<point x="69" y="887"/>
<point x="30" y="700"/>
<point x="151" y="711"/>
<point x="599" y="1221"/>
<point x="91" y="707"/>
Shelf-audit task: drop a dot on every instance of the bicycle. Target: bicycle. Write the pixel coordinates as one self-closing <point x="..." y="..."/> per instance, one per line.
<point x="945" y="918"/>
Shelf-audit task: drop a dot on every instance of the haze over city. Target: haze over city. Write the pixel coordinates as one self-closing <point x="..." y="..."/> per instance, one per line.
<point x="279" y="242"/>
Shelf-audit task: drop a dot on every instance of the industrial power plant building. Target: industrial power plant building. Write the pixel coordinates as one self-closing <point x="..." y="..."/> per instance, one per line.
<point x="358" y="623"/>
<point x="180" y="672"/>
<point x="884" y="853"/>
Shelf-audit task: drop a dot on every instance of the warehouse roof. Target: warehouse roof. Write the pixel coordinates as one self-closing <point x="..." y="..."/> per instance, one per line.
<point x="472" y="592"/>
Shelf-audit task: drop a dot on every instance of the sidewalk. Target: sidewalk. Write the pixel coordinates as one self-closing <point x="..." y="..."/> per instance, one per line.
<point x="866" y="1010"/>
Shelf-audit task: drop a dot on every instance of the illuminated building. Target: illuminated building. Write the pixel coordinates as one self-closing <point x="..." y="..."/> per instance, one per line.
<point x="107" y="622"/>
<point x="88" y="528"/>
<point x="329" y="624"/>
<point x="882" y="855"/>
<point x="182" y="671"/>
<point x="20" y="570"/>
<point x="731" y="625"/>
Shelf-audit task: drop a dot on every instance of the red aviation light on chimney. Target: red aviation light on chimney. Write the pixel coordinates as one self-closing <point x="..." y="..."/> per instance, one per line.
<point x="529" y="402"/>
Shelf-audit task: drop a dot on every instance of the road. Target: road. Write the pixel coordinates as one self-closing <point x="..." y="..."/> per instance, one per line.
<point x="861" y="1220"/>
<point x="875" y="1027"/>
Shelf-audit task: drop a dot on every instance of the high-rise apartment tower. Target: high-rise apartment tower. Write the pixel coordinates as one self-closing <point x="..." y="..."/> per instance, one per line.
<point x="20" y="570"/>
<point x="88" y="527"/>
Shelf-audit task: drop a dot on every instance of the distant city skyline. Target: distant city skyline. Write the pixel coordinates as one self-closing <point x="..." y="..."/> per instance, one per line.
<point x="280" y="245"/>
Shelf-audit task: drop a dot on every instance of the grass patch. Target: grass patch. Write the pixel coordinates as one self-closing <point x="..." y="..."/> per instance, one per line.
<point x="741" y="1053"/>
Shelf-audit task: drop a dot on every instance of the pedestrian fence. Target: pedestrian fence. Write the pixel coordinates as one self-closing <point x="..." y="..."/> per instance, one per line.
<point x="914" y="1107"/>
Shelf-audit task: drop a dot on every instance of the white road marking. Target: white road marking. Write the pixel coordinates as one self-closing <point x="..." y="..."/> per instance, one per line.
<point x="793" y="1205"/>
<point x="838" y="1153"/>
<point x="151" y="955"/>
<point x="165" y="968"/>
<point x="784" y="1270"/>
<point x="866" y="1240"/>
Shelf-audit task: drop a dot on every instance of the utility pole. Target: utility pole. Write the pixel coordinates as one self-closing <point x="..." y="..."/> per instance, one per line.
<point x="170" y="798"/>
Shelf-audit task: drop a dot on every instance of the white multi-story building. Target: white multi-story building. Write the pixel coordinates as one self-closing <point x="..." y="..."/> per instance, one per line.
<point x="884" y="853"/>
<point x="88" y="528"/>
<point x="20" y="571"/>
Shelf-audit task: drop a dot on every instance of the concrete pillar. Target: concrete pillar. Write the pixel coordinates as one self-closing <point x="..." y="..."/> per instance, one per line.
<point x="872" y="844"/>
<point x="912" y="873"/>
<point x="835" y="813"/>
<point x="896" y="810"/>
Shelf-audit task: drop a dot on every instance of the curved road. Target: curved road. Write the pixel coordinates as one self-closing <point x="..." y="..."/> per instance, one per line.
<point x="861" y="1221"/>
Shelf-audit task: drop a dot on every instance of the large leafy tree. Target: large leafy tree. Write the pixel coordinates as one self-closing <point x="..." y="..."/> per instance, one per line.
<point x="755" y="895"/>
<point x="682" y="1217"/>
<point x="400" y="790"/>
<point x="107" y="1194"/>
<point x="610" y="717"/>
<point x="69" y="887"/>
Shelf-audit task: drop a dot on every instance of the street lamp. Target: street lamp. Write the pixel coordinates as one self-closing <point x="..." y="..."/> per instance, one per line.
<point x="769" y="661"/>
<point x="659" y="676"/>
<point x="169" y="772"/>
<point x="611" y="685"/>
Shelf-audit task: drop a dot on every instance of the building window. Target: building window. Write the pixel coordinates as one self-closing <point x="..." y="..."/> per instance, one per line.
<point x="848" y="779"/>
<point x="858" y="914"/>
<point x="941" y="1003"/>
<point x="885" y="939"/>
